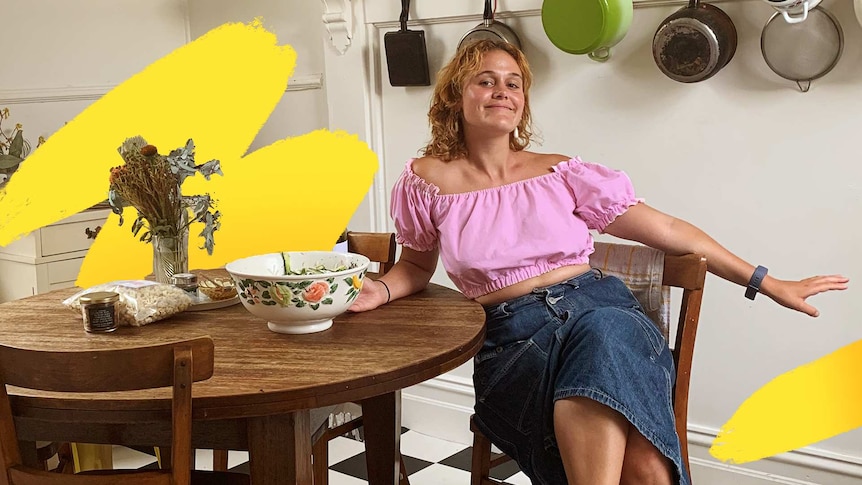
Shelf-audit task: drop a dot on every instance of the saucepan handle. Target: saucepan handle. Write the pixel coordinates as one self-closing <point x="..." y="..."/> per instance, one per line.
<point x="601" y="54"/>
<point x="795" y="20"/>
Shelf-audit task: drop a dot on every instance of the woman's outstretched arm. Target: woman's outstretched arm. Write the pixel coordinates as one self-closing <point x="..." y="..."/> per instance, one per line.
<point x="656" y="229"/>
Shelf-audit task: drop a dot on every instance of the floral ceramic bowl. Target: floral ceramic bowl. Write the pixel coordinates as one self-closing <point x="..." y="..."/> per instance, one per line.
<point x="298" y="291"/>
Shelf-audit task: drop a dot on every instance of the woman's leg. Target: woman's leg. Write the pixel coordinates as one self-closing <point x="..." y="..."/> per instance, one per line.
<point x="603" y="448"/>
<point x="592" y="441"/>
<point x="643" y="463"/>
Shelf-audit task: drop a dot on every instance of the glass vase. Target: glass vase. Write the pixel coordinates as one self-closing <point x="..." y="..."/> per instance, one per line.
<point x="170" y="256"/>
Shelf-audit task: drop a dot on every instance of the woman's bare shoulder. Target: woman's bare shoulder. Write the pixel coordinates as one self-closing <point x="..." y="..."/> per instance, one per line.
<point x="430" y="169"/>
<point x="545" y="160"/>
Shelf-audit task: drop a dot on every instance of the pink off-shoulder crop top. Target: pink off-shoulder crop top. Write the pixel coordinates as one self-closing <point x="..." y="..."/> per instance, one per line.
<point x="493" y="238"/>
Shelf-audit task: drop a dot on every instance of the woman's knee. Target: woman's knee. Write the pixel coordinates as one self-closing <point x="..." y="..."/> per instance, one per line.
<point x="644" y="464"/>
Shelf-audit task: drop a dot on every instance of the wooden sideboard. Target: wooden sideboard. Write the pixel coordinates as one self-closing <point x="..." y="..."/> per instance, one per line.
<point x="48" y="258"/>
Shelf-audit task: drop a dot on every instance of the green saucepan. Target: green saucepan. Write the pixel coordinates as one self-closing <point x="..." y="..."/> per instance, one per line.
<point x="586" y="26"/>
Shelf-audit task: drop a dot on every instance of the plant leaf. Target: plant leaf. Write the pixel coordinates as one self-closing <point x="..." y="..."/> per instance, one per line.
<point x="16" y="149"/>
<point x="9" y="161"/>
<point x="209" y="168"/>
<point x="137" y="225"/>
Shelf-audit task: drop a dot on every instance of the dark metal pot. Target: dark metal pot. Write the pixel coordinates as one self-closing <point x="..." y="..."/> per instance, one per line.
<point x="694" y="43"/>
<point x="491" y="29"/>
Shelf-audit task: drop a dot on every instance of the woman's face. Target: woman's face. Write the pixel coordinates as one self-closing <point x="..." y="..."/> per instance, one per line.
<point x="493" y="99"/>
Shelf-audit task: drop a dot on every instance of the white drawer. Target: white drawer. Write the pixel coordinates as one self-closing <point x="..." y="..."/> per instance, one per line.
<point x="64" y="272"/>
<point x="66" y="238"/>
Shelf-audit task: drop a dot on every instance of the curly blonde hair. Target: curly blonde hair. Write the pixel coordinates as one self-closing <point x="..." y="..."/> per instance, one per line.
<point x="447" y="135"/>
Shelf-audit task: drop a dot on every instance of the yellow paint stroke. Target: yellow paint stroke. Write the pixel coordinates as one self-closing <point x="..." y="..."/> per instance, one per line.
<point x="220" y="89"/>
<point x="811" y="403"/>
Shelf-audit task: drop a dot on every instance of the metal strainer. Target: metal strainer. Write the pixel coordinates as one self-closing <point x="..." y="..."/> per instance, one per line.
<point x="802" y="51"/>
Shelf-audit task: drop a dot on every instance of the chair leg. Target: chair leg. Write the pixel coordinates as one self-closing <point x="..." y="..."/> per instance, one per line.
<point x="480" y="469"/>
<point x="65" y="463"/>
<point x="220" y="460"/>
<point x="320" y="454"/>
<point x="403" y="477"/>
<point x="320" y="462"/>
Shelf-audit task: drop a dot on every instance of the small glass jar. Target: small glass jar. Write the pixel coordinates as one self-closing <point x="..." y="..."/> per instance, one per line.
<point x="100" y="310"/>
<point x="341" y="244"/>
<point x="187" y="282"/>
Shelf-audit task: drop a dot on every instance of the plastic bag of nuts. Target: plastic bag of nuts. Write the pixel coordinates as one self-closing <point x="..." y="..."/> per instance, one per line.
<point x="141" y="302"/>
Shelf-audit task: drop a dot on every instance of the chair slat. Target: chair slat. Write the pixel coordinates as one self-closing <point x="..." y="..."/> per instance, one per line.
<point x="687" y="271"/>
<point x="100" y="370"/>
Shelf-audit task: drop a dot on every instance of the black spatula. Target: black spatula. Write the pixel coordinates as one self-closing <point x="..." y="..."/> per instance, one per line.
<point x="406" y="57"/>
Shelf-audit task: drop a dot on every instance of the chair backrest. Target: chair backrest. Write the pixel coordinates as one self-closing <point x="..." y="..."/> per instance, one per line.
<point x="175" y="364"/>
<point x="379" y="247"/>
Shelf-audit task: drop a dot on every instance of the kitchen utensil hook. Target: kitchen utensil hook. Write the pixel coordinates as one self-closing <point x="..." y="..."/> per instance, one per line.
<point x="405" y="12"/>
<point x="488" y="15"/>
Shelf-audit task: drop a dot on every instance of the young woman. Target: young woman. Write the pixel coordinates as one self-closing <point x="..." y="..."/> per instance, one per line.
<point x="573" y="381"/>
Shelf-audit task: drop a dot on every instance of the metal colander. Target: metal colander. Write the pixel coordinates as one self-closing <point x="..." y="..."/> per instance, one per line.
<point x="802" y="51"/>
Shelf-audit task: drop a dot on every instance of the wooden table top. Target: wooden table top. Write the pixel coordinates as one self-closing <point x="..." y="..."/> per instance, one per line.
<point x="259" y="372"/>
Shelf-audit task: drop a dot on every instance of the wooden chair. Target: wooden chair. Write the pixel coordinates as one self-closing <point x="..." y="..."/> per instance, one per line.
<point x="379" y="247"/>
<point x="687" y="272"/>
<point x="176" y="365"/>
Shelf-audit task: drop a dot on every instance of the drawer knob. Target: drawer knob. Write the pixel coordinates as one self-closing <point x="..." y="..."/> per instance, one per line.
<point x="91" y="234"/>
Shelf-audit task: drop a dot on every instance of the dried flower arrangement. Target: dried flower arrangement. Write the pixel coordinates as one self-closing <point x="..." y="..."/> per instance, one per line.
<point x="151" y="183"/>
<point x="13" y="148"/>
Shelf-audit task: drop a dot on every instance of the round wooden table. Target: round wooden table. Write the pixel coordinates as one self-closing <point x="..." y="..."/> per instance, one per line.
<point x="264" y="382"/>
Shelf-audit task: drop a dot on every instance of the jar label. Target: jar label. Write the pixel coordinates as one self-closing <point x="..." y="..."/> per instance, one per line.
<point x="101" y="318"/>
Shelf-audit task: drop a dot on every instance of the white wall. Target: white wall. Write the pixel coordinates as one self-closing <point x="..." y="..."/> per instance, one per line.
<point x="297" y="23"/>
<point x="768" y="171"/>
<point x="58" y="57"/>
<point x="306" y="105"/>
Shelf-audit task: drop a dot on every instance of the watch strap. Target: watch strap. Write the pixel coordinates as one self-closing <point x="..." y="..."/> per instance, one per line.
<point x="755" y="281"/>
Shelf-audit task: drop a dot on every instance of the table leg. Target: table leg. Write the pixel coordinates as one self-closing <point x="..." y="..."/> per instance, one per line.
<point x="279" y="449"/>
<point x="381" y="417"/>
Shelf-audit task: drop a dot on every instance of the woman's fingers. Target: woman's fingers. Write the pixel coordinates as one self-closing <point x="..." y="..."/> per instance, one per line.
<point x="820" y="284"/>
<point x="794" y="293"/>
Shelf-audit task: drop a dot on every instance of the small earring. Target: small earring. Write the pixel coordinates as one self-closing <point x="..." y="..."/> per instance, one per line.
<point x="516" y="134"/>
<point x="457" y="126"/>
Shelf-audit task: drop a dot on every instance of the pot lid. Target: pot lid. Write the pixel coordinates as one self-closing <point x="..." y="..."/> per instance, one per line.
<point x="582" y="26"/>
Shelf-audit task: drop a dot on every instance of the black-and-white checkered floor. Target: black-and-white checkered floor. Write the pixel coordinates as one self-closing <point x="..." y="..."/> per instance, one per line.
<point x="429" y="461"/>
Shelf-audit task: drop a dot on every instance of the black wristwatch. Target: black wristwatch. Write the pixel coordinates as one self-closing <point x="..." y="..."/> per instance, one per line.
<point x="755" y="281"/>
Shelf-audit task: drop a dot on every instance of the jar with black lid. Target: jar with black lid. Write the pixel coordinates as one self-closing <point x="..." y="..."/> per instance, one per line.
<point x="100" y="310"/>
<point x="187" y="282"/>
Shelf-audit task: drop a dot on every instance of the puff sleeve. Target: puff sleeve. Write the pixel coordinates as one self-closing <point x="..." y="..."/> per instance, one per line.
<point x="600" y="193"/>
<point x="410" y="210"/>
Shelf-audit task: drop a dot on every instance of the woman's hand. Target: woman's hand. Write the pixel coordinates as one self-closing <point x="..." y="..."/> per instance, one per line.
<point x="792" y="294"/>
<point x="373" y="295"/>
<point x="410" y="274"/>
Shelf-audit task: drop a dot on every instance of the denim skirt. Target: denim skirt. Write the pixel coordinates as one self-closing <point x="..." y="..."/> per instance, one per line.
<point x="589" y="337"/>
